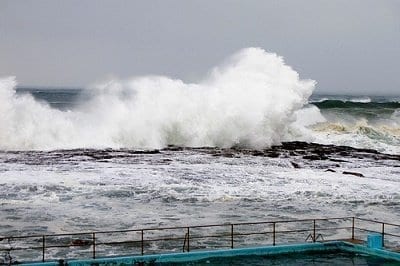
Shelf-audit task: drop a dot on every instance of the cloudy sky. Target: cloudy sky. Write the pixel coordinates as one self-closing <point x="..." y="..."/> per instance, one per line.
<point x="348" y="47"/>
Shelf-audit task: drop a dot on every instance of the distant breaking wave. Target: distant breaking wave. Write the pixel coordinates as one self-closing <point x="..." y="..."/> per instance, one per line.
<point x="372" y="125"/>
<point x="326" y="104"/>
<point x="250" y="101"/>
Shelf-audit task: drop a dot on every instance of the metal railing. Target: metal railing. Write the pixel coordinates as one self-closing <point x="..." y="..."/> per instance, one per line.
<point x="390" y="232"/>
<point x="170" y="239"/>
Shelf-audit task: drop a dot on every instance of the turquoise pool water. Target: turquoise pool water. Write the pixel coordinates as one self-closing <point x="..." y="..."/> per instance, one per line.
<point x="331" y="258"/>
<point x="328" y="253"/>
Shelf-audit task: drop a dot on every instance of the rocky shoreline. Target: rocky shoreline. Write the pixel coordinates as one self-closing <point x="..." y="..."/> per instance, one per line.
<point x="299" y="154"/>
<point x="312" y="151"/>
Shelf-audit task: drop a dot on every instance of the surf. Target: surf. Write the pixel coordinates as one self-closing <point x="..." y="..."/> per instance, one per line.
<point x="249" y="100"/>
<point x="328" y="104"/>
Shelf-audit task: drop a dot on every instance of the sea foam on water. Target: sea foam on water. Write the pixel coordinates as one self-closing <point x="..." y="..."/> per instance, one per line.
<point x="250" y="100"/>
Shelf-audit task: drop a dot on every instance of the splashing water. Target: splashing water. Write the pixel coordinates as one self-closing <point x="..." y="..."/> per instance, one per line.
<point x="250" y="100"/>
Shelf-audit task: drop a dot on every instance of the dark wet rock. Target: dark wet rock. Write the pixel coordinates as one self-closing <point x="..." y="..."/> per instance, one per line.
<point x="338" y="160"/>
<point x="344" y="153"/>
<point x="228" y="154"/>
<point x="145" y="152"/>
<point x="258" y="153"/>
<point x="295" y="165"/>
<point x="315" y="157"/>
<point x="100" y="156"/>
<point x="272" y="154"/>
<point x="294" y="145"/>
<point x="352" y="173"/>
<point x="368" y="151"/>
<point x="174" y="148"/>
<point x="32" y="189"/>
<point x="310" y="154"/>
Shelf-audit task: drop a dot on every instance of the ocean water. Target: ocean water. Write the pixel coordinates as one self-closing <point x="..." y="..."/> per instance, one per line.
<point x="69" y="158"/>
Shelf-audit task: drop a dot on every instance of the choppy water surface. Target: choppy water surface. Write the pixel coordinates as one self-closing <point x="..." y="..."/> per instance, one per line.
<point x="79" y="190"/>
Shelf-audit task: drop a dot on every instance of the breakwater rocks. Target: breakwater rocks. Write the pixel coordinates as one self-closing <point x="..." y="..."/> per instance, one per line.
<point x="299" y="154"/>
<point x="308" y="151"/>
<point x="295" y="154"/>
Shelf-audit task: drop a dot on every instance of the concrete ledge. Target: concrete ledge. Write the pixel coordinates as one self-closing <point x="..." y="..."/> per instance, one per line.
<point x="383" y="253"/>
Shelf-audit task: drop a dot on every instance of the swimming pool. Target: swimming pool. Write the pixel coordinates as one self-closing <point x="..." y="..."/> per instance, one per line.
<point x="310" y="258"/>
<point x="327" y="253"/>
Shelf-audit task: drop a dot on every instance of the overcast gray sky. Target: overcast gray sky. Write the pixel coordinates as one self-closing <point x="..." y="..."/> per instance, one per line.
<point x="347" y="46"/>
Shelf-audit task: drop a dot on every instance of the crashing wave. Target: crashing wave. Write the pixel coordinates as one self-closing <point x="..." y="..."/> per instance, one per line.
<point x="250" y="100"/>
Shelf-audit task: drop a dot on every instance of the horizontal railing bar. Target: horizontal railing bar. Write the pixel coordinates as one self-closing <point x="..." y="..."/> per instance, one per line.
<point x="391" y="224"/>
<point x="192" y="237"/>
<point x="19" y="237"/>
<point x="118" y="243"/>
<point x="52" y="246"/>
<point x="19" y="248"/>
<point x="367" y="230"/>
<point x="294" y="231"/>
<point x="175" y="228"/>
<point x="67" y="246"/>
<point x="208" y="236"/>
<point x="294" y="221"/>
<point x="47" y="235"/>
<point x="250" y="234"/>
<point x="157" y="239"/>
<point x="390" y="234"/>
<point x="378" y="222"/>
<point x="374" y="231"/>
<point x="333" y="228"/>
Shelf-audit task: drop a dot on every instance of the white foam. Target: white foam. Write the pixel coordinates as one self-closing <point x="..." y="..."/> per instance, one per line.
<point x="360" y="135"/>
<point x="364" y="99"/>
<point x="356" y="99"/>
<point x="396" y="116"/>
<point x="249" y="100"/>
<point x="305" y="118"/>
<point x="194" y="188"/>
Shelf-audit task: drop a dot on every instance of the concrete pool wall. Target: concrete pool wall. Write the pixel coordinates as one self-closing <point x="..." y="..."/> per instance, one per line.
<point x="331" y="246"/>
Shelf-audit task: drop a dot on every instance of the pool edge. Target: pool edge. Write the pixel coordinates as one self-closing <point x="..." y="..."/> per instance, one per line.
<point x="248" y="251"/>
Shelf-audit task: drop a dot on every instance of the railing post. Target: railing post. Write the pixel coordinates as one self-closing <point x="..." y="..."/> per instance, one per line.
<point x="231" y="235"/>
<point x="273" y="233"/>
<point x="352" y="229"/>
<point x="43" y="248"/>
<point x="314" y="235"/>
<point x="383" y="234"/>
<point x="188" y="239"/>
<point x="142" y="242"/>
<point x="94" y="244"/>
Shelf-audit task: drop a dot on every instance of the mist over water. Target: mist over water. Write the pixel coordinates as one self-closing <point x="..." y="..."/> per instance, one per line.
<point x="250" y="100"/>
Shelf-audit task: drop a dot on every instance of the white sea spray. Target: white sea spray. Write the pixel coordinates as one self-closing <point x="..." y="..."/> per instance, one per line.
<point x="248" y="101"/>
